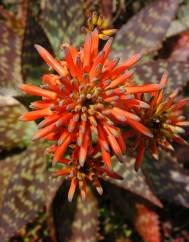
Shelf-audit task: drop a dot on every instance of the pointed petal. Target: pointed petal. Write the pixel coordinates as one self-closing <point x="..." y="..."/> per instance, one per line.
<point x="62" y="149"/>
<point x="87" y="52"/>
<point x="72" y="189"/>
<point x="33" y="115"/>
<point x="144" y="88"/>
<point x="120" y="80"/>
<point x="140" y="127"/>
<point x="84" y="147"/>
<point x="37" y="91"/>
<point x="140" y="155"/>
<point x="45" y="131"/>
<point x="50" y="60"/>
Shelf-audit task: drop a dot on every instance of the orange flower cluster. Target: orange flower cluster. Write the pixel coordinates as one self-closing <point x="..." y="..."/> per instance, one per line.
<point x="79" y="175"/>
<point x="83" y="105"/>
<point x="164" y="118"/>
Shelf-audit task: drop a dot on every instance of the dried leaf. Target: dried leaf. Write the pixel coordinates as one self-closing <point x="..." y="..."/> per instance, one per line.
<point x="13" y="133"/>
<point x="147" y="224"/>
<point x="169" y="180"/>
<point x="145" y="32"/>
<point x="152" y="71"/>
<point x="62" y="20"/>
<point x="25" y="190"/>
<point x="134" y="182"/>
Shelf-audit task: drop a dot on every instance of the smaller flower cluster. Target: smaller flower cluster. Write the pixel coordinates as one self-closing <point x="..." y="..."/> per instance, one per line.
<point x="78" y="175"/>
<point x="100" y="23"/>
<point x="165" y="119"/>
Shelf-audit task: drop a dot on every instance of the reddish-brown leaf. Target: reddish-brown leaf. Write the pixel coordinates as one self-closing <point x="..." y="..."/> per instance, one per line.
<point x="85" y="225"/>
<point x="62" y="20"/>
<point x="152" y="71"/>
<point x="53" y="184"/>
<point x="134" y="182"/>
<point x="32" y="64"/>
<point x="10" y="59"/>
<point x="145" y="32"/>
<point x="24" y="195"/>
<point x="78" y="220"/>
<point x="168" y="178"/>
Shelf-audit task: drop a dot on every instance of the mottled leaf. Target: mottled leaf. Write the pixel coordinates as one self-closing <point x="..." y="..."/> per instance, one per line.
<point x="85" y="225"/>
<point x="134" y="182"/>
<point x="10" y="59"/>
<point x="62" y="20"/>
<point x="145" y="32"/>
<point x="76" y="221"/>
<point x="169" y="180"/>
<point x="53" y="185"/>
<point x="7" y="167"/>
<point x="32" y="64"/>
<point x="13" y="133"/>
<point x="147" y="224"/>
<point x="25" y="190"/>
<point x="181" y="23"/>
<point x="152" y="71"/>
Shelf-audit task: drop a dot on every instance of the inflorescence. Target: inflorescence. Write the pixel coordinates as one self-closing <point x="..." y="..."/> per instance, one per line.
<point x="89" y="100"/>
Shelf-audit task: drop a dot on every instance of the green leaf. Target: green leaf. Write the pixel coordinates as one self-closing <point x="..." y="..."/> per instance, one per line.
<point x="169" y="179"/>
<point x="146" y="31"/>
<point x="62" y="20"/>
<point x="133" y="181"/>
<point x="13" y="133"/>
<point x="151" y="72"/>
<point x="24" y="195"/>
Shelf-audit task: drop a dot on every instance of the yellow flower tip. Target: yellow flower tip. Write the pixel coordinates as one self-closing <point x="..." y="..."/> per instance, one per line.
<point x="109" y="31"/>
<point x="100" y="23"/>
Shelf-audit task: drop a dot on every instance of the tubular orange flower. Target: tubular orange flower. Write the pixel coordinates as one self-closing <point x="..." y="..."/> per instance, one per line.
<point x="86" y="100"/>
<point x="80" y="176"/>
<point x="166" y="122"/>
<point x="102" y="24"/>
